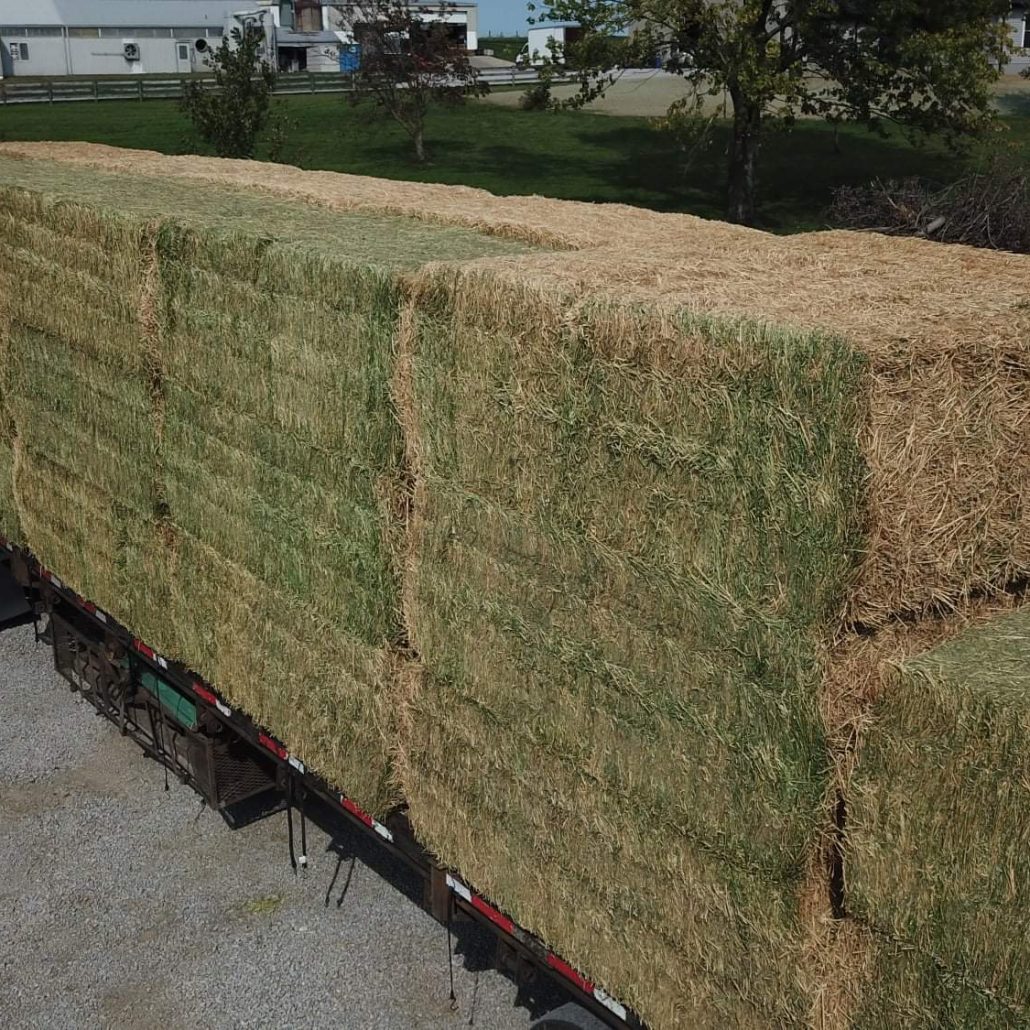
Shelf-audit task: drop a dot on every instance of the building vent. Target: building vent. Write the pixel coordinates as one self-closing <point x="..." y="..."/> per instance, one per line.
<point x="131" y="51"/>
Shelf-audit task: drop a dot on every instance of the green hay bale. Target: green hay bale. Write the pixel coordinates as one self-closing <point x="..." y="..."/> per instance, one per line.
<point x="384" y="240"/>
<point x="53" y="291"/>
<point x="937" y="830"/>
<point x="10" y="522"/>
<point x="225" y="420"/>
<point x="71" y="526"/>
<point x="282" y="358"/>
<point x="909" y="989"/>
<point x="585" y="570"/>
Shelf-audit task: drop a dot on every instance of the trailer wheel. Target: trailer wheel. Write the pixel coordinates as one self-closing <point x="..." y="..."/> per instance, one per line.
<point x="569" y="1016"/>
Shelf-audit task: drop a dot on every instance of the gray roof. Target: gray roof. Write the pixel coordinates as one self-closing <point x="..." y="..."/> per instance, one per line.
<point x="122" y="13"/>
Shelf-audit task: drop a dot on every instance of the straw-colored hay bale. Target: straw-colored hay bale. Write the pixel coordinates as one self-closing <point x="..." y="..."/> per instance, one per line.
<point x="937" y="829"/>
<point x="946" y="440"/>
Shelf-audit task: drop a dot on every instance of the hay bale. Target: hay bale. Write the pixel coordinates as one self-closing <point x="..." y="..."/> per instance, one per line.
<point x="937" y="830"/>
<point x="577" y="575"/>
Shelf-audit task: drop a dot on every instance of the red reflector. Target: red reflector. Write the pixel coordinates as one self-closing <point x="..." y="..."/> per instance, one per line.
<point x="45" y="572"/>
<point x="561" y="966"/>
<point x="273" y="745"/>
<point x="357" y="811"/>
<point x="492" y="914"/>
<point x="90" y="607"/>
<point x="147" y="652"/>
<point x="204" y="694"/>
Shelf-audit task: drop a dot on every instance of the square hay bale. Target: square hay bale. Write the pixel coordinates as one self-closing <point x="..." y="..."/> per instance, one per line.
<point x="629" y="533"/>
<point x="937" y="830"/>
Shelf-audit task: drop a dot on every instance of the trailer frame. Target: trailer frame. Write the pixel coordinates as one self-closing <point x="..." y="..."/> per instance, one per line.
<point x="105" y="666"/>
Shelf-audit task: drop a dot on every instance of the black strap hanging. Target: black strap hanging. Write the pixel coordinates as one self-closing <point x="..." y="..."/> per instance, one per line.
<point x="303" y="859"/>
<point x="289" y="818"/>
<point x="450" y="959"/>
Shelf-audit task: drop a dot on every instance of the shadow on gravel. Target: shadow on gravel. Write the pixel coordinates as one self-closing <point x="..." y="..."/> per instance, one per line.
<point x="473" y="945"/>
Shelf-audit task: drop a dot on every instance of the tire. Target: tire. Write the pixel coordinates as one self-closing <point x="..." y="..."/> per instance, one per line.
<point x="569" y="1016"/>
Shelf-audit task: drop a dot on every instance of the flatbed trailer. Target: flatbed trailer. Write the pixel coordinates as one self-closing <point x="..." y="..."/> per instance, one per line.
<point x="183" y="723"/>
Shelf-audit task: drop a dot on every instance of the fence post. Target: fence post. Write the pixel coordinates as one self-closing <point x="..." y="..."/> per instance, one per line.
<point x="311" y="81"/>
<point x="50" y="90"/>
<point x="96" y="91"/>
<point x="139" y="87"/>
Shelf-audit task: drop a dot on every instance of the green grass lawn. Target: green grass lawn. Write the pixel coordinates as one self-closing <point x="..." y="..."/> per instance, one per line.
<point x="505" y="47"/>
<point x="571" y="155"/>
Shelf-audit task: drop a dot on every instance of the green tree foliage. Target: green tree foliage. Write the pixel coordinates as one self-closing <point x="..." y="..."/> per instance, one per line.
<point x="925" y="66"/>
<point x="410" y="61"/>
<point x="232" y="114"/>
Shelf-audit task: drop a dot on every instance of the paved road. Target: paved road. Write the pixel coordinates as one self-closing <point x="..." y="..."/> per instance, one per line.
<point x="125" y="906"/>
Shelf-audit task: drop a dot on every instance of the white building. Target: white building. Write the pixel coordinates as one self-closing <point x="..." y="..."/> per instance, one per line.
<point x="120" y="37"/>
<point x="109" y="37"/>
<point x="1019" y="23"/>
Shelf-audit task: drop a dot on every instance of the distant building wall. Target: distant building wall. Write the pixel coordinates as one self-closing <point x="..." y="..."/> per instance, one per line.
<point x="340" y="17"/>
<point x="29" y="51"/>
<point x="1019" y="25"/>
<point x="100" y="51"/>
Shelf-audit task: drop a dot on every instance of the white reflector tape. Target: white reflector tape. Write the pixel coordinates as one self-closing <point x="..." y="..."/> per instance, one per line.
<point x="161" y="661"/>
<point x="610" y="1003"/>
<point x="296" y="763"/>
<point x="459" y="888"/>
<point x="57" y="583"/>
<point x="224" y="709"/>
<point x="382" y="831"/>
<point x="100" y="615"/>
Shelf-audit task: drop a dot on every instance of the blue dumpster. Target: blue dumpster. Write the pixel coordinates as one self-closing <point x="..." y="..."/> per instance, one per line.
<point x="350" y="57"/>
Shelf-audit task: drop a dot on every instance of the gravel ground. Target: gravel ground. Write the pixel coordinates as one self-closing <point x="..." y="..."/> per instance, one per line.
<point x="122" y="905"/>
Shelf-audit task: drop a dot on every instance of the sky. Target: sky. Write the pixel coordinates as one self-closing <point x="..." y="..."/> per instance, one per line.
<point x="502" y="18"/>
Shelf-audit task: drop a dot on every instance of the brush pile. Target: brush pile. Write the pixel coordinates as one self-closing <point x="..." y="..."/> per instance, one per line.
<point x="592" y="535"/>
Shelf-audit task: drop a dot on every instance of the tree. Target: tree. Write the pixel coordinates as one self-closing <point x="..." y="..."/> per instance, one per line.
<point x="232" y="114"/>
<point x="410" y="61"/>
<point x="926" y="66"/>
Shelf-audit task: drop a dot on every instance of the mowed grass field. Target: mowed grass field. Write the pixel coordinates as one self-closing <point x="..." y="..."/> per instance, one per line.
<point x="570" y="155"/>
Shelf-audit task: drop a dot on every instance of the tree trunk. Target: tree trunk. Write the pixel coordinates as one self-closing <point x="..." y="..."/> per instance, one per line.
<point x="420" y="145"/>
<point x="747" y="124"/>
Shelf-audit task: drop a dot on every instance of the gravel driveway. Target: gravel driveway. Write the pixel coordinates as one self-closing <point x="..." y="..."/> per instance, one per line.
<point x="125" y="906"/>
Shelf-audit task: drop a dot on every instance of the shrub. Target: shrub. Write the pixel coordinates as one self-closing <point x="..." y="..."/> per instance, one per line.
<point x="988" y="208"/>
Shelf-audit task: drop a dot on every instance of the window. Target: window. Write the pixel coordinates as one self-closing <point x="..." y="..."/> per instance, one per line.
<point x="30" y="31"/>
<point x="1026" y="32"/>
<point x="184" y="51"/>
<point x="19" y="51"/>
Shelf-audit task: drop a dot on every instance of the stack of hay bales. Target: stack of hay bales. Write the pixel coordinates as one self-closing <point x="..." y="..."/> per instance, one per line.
<point x="204" y="444"/>
<point x="585" y="551"/>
